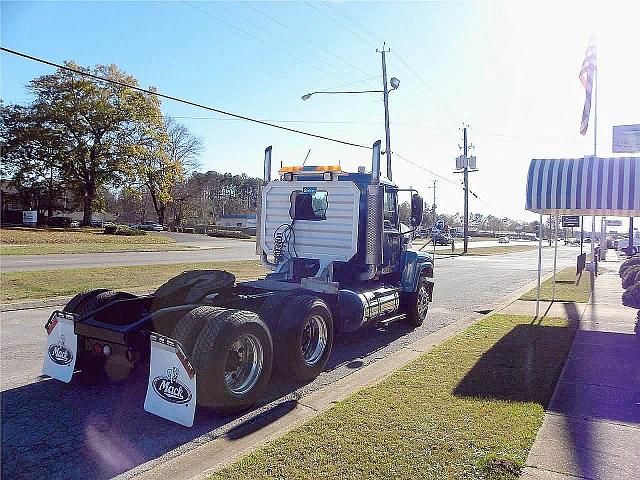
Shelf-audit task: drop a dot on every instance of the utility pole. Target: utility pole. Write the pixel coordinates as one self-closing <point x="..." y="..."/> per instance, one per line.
<point x="466" y="193"/>
<point x="386" y="110"/>
<point x="465" y="165"/>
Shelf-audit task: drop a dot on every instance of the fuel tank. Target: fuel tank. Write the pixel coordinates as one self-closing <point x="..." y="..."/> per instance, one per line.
<point x="360" y="307"/>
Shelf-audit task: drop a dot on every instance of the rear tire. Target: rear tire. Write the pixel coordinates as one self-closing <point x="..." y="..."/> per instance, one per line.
<point x="97" y="368"/>
<point x="417" y="304"/>
<point x="76" y="303"/>
<point x="232" y="356"/>
<point x="189" y="326"/>
<point x="103" y="299"/>
<point x="304" y="338"/>
<point x="271" y="309"/>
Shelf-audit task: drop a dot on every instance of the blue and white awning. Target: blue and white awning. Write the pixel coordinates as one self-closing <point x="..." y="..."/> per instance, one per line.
<point x="584" y="186"/>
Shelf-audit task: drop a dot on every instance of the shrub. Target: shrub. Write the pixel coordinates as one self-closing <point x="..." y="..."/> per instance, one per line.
<point x="631" y="296"/>
<point x="123" y="230"/>
<point x="227" y="234"/>
<point x="629" y="276"/>
<point x="628" y="264"/>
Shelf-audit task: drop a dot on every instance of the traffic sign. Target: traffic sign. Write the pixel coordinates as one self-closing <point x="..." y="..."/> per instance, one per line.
<point x="570" y="221"/>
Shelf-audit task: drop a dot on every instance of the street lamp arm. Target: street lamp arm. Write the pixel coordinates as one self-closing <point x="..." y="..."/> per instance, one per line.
<point x="308" y="95"/>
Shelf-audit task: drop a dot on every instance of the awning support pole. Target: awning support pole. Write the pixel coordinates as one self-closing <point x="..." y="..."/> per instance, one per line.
<point x="555" y="258"/>
<point x="539" y="265"/>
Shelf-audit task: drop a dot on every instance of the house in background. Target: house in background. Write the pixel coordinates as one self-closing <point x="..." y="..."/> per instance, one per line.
<point x="247" y="220"/>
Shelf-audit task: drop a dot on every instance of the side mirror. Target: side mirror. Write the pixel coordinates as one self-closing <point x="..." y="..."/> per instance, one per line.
<point x="417" y="207"/>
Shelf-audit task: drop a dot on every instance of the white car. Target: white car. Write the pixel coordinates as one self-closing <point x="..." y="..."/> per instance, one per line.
<point x="503" y="240"/>
<point x="149" y="226"/>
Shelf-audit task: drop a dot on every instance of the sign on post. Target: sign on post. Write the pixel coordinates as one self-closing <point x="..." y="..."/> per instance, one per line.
<point x="613" y="223"/>
<point x="626" y="138"/>
<point x="30" y="216"/>
<point x="570" y="221"/>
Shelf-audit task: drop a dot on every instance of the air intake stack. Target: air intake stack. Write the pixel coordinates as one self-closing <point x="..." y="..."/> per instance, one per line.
<point x="373" y="256"/>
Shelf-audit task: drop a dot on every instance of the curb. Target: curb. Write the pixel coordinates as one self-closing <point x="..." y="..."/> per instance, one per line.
<point x="230" y="444"/>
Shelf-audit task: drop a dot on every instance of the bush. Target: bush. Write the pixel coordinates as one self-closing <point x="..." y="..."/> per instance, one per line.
<point x="123" y="230"/>
<point x="628" y="264"/>
<point x="227" y="234"/>
<point x="631" y="296"/>
<point x="629" y="276"/>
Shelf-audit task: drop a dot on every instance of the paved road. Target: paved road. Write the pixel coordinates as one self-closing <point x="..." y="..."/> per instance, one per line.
<point x="214" y="249"/>
<point x="54" y="430"/>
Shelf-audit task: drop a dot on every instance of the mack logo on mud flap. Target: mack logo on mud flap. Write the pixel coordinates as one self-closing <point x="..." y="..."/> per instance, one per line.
<point x="170" y="388"/>
<point x="59" y="353"/>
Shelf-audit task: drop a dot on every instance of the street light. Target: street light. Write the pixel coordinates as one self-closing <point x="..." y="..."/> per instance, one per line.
<point x="308" y="95"/>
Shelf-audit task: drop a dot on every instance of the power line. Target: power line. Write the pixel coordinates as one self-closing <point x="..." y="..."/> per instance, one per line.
<point x="268" y="32"/>
<point x="453" y="182"/>
<point x="419" y="77"/>
<point x="235" y="27"/>
<point x="340" y="24"/>
<point x="304" y="37"/>
<point x="355" y="22"/>
<point x="180" y="100"/>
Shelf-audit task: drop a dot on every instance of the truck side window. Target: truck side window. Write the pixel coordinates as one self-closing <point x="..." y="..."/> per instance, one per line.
<point x="390" y="208"/>
<point x="310" y="204"/>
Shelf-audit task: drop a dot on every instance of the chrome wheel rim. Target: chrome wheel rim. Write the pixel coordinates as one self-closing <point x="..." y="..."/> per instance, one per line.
<point x="314" y="339"/>
<point x="423" y="302"/>
<point x="243" y="364"/>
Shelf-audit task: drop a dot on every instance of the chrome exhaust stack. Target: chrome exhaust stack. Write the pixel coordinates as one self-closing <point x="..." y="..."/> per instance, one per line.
<point x="373" y="254"/>
<point x="266" y="179"/>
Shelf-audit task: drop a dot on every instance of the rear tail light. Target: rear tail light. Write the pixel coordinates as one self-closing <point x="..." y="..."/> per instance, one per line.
<point x="97" y="348"/>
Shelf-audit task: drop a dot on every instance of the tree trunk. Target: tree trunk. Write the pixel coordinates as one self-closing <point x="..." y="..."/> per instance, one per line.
<point x="88" y="197"/>
<point x="161" y="212"/>
<point x="88" y="211"/>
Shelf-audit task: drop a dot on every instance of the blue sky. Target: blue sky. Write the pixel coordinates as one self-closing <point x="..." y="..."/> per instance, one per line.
<point x="509" y="69"/>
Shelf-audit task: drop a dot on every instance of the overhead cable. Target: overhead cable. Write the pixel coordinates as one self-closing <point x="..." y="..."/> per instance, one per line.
<point x="180" y="100"/>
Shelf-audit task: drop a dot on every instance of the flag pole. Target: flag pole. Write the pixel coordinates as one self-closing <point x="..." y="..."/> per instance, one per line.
<point x="595" y="112"/>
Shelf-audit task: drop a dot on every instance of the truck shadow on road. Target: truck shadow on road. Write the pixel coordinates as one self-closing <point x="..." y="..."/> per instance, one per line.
<point x="99" y="430"/>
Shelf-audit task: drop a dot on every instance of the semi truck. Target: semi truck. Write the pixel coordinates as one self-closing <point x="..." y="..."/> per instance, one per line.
<point x="339" y="260"/>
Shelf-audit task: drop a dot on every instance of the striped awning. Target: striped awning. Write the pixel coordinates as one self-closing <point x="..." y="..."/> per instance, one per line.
<point x="584" y="186"/>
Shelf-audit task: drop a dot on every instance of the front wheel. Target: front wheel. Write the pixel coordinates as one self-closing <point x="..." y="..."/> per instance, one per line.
<point x="417" y="304"/>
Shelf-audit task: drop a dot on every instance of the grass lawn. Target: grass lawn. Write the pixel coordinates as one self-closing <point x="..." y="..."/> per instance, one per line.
<point x="567" y="290"/>
<point x="53" y="283"/>
<point x="468" y="409"/>
<point x="35" y="241"/>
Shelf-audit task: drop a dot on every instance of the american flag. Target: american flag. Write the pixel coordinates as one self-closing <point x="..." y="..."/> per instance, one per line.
<point x="586" y="77"/>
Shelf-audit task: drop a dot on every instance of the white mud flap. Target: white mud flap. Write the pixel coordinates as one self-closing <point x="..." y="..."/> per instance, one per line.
<point x="171" y="392"/>
<point x="62" y="347"/>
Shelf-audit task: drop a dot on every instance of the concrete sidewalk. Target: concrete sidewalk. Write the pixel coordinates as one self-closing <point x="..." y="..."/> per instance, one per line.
<point x="592" y="427"/>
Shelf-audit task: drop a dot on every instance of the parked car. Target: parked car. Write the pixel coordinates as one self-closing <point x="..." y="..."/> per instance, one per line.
<point x="60" y="222"/>
<point x="149" y="226"/>
<point x="442" y="239"/>
<point x="75" y="223"/>
<point x="503" y="240"/>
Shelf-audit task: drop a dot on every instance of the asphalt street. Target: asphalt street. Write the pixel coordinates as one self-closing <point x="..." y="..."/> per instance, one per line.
<point x="208" y="249"/>
<point x="56" y="430"/>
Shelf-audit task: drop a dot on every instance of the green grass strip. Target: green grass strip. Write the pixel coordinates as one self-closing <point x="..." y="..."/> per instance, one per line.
<point x="54" y="283"/>
<point x="569" y="287"/>
<point x="468" y="409"/>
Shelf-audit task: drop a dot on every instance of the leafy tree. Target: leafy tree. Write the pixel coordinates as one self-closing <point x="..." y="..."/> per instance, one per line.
<point x="166" y="152"/>
<point x="94" y="121"/>
<point x="32" y="156"/>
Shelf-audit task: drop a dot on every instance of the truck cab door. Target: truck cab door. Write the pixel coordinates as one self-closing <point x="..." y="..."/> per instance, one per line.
<point x="392" y="246"/>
